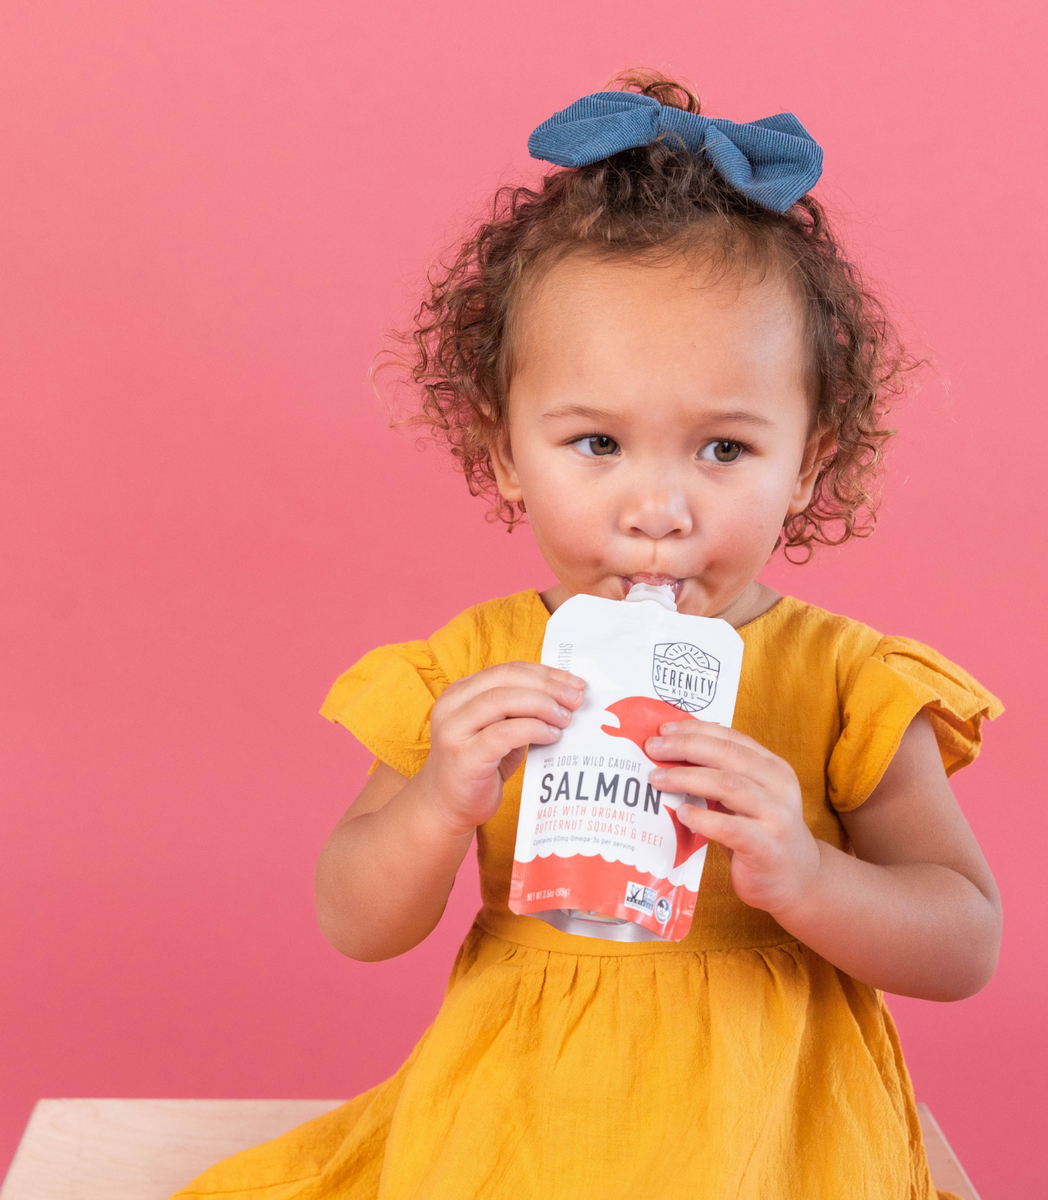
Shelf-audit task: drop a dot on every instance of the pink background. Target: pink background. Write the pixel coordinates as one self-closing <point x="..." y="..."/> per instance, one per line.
<point x="210" y="212"/>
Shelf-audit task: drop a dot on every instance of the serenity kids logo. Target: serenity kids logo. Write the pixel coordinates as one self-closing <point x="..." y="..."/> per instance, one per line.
<point x="684" y="675"/>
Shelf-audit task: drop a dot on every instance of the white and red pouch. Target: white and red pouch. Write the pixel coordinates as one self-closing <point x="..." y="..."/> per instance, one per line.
<point x="600" y="851"/>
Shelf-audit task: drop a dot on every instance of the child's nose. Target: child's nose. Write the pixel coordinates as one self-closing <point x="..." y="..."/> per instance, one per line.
<point x="658" y="514"/>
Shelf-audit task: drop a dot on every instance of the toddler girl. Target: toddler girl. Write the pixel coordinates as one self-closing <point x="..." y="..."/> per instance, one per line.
<point x="663" y="357"/>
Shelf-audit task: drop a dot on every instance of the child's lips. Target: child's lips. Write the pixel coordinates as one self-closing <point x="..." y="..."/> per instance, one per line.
<point x="649" y="577"/>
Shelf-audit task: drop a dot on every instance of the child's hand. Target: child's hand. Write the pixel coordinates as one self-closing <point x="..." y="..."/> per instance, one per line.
<point x="774" y="857"/>
<point x="480" y="730"/>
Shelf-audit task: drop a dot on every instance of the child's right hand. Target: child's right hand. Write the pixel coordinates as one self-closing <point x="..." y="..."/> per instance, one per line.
<point x="480" y="731"/>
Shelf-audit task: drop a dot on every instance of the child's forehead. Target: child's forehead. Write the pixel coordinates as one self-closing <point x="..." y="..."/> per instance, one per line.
<point x="617" y="311"/>
<point x="584" y="289"/>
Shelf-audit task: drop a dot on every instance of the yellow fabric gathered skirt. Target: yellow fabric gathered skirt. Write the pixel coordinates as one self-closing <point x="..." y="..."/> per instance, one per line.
<point x="598" y="1076"/>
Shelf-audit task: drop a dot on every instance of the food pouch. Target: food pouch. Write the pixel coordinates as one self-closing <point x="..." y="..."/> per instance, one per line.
<point x="600" y="851"/>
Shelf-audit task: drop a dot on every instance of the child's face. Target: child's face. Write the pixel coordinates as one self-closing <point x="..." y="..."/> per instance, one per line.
<point x="658" y="428"/>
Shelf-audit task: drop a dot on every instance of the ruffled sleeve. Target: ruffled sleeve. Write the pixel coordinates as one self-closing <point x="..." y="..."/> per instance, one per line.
<point x="899" y="679"/>
<point x="385" y="701"/>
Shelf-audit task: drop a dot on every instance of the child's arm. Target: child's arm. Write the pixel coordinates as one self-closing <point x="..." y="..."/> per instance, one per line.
<point x="916" y="913"/>
<point x="385" y="872"/>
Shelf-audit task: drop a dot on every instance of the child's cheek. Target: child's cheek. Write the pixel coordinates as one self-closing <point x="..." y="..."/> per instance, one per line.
<point x="567" y="528"/>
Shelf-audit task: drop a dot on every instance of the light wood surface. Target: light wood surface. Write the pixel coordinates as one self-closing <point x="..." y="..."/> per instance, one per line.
<point x="947" y="1173"/>
<point x="147" y="1149"/>
<point x="139" y="1149"/>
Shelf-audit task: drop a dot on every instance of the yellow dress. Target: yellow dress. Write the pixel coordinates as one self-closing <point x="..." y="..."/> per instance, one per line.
<point x="736" y="1063"/>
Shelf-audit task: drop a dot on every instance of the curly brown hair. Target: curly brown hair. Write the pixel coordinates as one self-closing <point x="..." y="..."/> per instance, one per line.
<point x="658" y="200"/>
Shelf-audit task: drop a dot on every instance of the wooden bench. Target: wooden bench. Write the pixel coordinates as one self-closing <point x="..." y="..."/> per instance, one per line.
<point x="146" y="1149"/>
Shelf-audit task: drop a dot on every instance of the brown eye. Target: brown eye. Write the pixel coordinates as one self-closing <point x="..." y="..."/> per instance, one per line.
<point x="597" y="446"/>
<point x="722" y="452"/>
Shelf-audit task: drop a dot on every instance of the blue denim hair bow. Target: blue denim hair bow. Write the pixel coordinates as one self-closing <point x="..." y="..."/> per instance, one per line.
<point x="773" y="161"/>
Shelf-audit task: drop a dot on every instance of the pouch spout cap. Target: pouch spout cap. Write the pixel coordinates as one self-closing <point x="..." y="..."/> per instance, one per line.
<point x="663" y="594"/>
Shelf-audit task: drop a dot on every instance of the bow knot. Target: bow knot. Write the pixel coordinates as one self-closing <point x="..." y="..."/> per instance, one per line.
<point x="773" y="161"/>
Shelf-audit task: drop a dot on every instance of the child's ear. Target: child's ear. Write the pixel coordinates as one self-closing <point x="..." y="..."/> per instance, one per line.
<point x="818" y="449"/>
<point x="505" y="471"/>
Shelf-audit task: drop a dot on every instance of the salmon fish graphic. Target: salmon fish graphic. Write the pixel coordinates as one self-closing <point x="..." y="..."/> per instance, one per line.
<point x="639" y="719"/>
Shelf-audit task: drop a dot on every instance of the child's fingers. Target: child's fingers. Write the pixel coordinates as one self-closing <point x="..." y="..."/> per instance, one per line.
<point x="692" y="728"/>
<point x="564" y="686"/>
<point x="736" y="833"/>
<point x="492" y="744"/>
<point x="733" y="756"/>
<point x="504" y="703"/>
<point x="736" y="792"/>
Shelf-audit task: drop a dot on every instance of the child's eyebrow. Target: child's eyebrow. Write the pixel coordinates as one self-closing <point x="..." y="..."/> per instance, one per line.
<point x="736" y="415"/>
<point x="577" y="410"/>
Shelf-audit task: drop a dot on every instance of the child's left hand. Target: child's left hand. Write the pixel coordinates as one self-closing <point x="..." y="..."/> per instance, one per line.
<point x="774" y="857"/>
